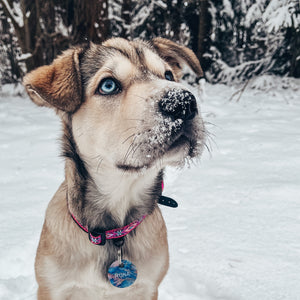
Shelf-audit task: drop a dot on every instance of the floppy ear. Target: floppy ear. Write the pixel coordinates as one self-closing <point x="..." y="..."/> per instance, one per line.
<point x="57" y="85"/>
<point x="177" y="57"/>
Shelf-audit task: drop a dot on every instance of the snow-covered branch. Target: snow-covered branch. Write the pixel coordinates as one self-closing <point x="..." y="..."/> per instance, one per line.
<point x="14" y="13"/>
<point x="280" y="14"/>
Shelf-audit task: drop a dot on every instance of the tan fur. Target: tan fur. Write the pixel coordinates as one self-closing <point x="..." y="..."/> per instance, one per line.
<point x="102" y="131"/>
<point x="57" y="85"/>
<point x="82" y="257"/>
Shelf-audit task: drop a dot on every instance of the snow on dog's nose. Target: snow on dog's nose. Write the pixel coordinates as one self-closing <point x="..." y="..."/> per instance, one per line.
<point x="178" y="104"/>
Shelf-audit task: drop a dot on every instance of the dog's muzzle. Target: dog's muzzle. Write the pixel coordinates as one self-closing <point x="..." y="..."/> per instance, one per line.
<point x="175" y="132"/>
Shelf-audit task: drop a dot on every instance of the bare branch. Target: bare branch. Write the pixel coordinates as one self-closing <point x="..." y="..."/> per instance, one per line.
<point x="240" y="92"/>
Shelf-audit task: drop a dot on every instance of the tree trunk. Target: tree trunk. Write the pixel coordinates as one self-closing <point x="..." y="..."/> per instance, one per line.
<point x="295" y="51"/>
<point x="90" y="21"/>
<point x="105" y="24"/>
<point x="203" y="31"/>
<point x="174" y="17"/>
<point x="126" y="17"/>
<point x="203" y="28"/>
<point x="28" y="35"/>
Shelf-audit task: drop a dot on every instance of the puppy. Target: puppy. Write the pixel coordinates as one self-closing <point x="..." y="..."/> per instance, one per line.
<point x="125" y="117"/>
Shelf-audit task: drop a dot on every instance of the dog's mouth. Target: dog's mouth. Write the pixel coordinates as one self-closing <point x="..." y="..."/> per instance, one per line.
<point x="185" y="144"/>
<point x="130" y="168"/>
<point x="181" y="143"/>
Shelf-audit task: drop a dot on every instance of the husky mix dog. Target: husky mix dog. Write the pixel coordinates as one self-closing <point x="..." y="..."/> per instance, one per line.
<point x="125" y="116"/>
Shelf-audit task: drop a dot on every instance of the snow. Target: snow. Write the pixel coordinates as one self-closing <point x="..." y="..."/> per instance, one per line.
<point x="15" y="12"/>
<point x="281" y="13"/>
<point x="227" y="9"/>
<point x="24" y="56"/>
<point x="235" y="234"/>
<point x="232" y="75"/>
<point x="161" y="4"/>
<point x="253" y="14"/>
<point x="61" y="27"/>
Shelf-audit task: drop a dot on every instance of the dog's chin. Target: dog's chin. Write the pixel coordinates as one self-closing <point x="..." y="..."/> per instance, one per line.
<point x="176" y="154"/>
<point x="180" y="151"/>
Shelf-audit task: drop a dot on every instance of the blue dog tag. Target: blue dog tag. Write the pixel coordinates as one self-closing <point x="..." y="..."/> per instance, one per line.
<point x="122" y="274"/>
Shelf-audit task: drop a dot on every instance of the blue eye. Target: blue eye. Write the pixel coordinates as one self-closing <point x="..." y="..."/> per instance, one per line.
<point x="109" y="86"/>
<point x="169" y="76"/>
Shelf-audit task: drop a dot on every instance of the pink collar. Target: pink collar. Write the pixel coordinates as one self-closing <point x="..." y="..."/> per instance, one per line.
<point x="101" y="238"/>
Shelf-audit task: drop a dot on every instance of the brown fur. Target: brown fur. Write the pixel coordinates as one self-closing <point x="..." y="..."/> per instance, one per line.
<point x="57" y="85"/>
<point x="115" y="147"/>
<point x="177" y="55"/>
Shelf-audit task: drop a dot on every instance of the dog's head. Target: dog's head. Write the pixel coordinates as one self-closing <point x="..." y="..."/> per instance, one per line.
<point x="125" y="102"/>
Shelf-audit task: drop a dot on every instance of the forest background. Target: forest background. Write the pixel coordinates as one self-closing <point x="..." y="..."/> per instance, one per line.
<point x="234" y="40"/>
<point x="237" y="226"/>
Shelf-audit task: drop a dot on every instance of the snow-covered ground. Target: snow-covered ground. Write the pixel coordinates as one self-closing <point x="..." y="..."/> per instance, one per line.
<point x="236" y="233"/>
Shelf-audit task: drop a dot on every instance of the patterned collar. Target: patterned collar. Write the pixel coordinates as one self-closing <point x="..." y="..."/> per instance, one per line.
<point x="99" y="238"/>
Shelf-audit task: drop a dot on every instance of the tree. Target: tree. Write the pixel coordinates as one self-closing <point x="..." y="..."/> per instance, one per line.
<point x="10" y="62"/>
<point x="45" y="28"/>
<point x="198" y="19"/>
<point x="282" y="18"/>
<point x="253" y="37"/>
<point x="143" y="19"/>
<point x="233" y="39"/>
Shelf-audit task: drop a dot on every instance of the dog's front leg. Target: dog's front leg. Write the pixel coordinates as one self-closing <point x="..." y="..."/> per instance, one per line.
<point x="43" y="294"/>
<point x="155" y="296"/>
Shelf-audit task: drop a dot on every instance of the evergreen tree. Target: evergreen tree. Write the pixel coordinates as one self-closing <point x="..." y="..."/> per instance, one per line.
<point x="253" y="37"/>
<point x="233" y="39"/>
<point x="46" y="28"/>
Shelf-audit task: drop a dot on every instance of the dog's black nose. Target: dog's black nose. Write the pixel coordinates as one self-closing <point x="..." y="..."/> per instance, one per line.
<point x="179" y="104"/>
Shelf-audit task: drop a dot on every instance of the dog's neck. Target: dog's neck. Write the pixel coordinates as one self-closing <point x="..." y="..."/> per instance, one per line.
<point x="122" y="190"/>
<point x="103" y="197"/>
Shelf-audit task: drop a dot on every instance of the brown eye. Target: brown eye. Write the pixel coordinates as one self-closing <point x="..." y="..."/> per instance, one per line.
<point x="169" y="76"/>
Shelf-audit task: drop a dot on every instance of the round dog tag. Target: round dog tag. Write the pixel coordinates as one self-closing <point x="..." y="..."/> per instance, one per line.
<point x="122" y="275"/>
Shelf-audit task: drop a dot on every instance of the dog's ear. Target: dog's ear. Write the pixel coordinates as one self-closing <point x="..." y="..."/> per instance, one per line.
<point x="57" y="85"/>
<point x="177" y="57"/>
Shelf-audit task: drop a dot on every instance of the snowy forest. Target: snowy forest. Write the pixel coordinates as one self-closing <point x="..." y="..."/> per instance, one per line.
<point x="235" y="233"/>
<point x="233" y="39"/>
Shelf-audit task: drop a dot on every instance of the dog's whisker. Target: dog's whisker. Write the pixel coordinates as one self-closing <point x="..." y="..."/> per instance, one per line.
<point x="100" y="160"/>
<point x="133" y="127"/>
<point x="138" y="146"/>
<point x="128" y="138"/>
<point x="129" y="150"/>
<point x="131" y="119"/>
<point x="210" y="123"/>
<point x="210" y="138"/>
<point x="95" y="157"/>
<point x="139" y="96"/>
<point x="133" y="149"/>
<point x="208" y="133"/>
<point x="208" y="149"/>
<point x="127" y="153"/>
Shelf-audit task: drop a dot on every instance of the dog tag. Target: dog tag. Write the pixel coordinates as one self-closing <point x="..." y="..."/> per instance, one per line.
<point x="122" y="274"/>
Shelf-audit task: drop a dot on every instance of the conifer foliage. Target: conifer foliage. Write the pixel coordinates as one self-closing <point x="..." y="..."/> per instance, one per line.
<point x="253" y="37"/>
<point x="234" y="39"/>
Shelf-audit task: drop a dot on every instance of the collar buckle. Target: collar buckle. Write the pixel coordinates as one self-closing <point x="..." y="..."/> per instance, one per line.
<point x="167" y="201"/>
<point x="98" y="239"/>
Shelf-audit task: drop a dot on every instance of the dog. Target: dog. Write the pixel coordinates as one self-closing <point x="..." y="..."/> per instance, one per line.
<point x="126" y="115"/>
